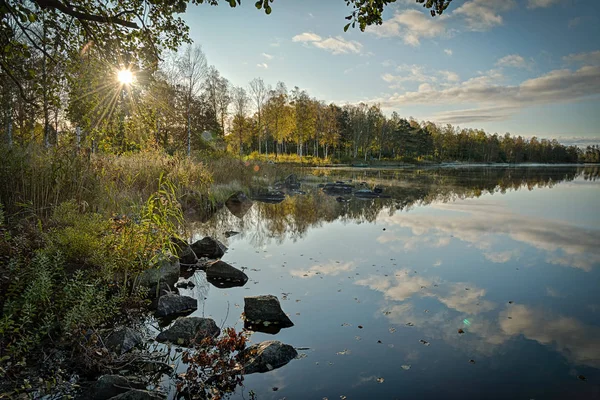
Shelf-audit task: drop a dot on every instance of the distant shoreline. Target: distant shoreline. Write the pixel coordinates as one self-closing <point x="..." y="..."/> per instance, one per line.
<point x="453" y="165"/>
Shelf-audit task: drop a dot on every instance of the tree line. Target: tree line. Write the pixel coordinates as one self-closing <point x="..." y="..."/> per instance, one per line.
<point x="182" y="104"/>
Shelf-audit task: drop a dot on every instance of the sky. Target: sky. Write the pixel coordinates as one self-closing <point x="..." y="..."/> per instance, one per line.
<point x="528" y="67"/>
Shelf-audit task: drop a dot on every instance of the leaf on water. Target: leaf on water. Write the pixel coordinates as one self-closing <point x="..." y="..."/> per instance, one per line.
<point x="461" y="331"/>
<point x="345" y="324"/>
<point x="410" y="324"/>
<point x="343" y="397"/>
<point x="392" y="330"/>
<point x="380" y="380"/>
<point x="391" y="346"/>
<point x="275" y="388"/>
<point x="379" y="341"/>
<point x="424" y="342"/>
<point x="343" y="352"/>
<point x="357" y="338"/>
<point x="360" y="327"/>
<point x="405" y="367"/>
<point x="387" y="312"/>
<point x="581" y="377"/>
<point x="471" y="361"/>
<point x="510" y="302"/>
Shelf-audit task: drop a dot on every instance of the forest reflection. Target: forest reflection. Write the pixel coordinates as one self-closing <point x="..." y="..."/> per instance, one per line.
<point x="298" y="212"/>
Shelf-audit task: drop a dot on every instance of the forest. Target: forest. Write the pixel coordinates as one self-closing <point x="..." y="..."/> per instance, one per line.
<point x="186" y="106"/>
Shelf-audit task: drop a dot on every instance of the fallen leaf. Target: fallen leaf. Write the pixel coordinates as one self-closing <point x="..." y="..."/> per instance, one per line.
<point x="472" y="361"/>
<point x="461" y="331"/>
<point x="380" y="380"/>
<point x="581" y="377"/>
<point x="424" y="342"/>
<point x="405" y="367"/>
<point x="360" y="327"/>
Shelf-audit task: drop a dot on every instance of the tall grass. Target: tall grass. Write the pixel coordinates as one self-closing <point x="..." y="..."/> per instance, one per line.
<point x="35" y="180"/>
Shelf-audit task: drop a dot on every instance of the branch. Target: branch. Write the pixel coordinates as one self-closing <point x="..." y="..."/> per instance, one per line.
<point x="17" y="82"/>
<point x="82" y="16"/>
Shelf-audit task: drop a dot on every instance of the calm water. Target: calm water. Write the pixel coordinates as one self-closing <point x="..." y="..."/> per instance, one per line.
<point x="510" y="256"/>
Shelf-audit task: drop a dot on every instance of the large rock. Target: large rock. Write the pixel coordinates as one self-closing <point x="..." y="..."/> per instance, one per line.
<point x="137" y="394"/>
<point x="123" y="340"/>
<point x="161" y="278"/>
<point x="337" y="188"/>
<point x="269" y="197"/>
<point x="187" y="256"/>
<point x="196" y="206"/>
<point x="172" y="305"/>
<point x="108" y="386"/>
<point x="223" y="275"/>
<point x="267" y="356"/>
<point x="209" y="248"/>
<point x="238" y="204"/>
<point x="265" y="310"/>
<point x="185" y="331"/>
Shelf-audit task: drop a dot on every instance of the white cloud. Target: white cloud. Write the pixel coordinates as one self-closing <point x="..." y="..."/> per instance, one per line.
<point x="590" y="58"/>
<point x="263" y="65"/>
<point x="483" y="15"/>
<point x="419" y="74"/>
<point x="448" y="52"/>
<point x="411" y="25"/>
<point x="564" y="245"/>
<point x="267" y="56"/>
<point x="331" y="269"/>
<point x="512" y="60"/>
<point x="558" y="86"/>
<point x="450" y="76"/>
<point x="336" y="45"/>
<point x="541" y="3"/>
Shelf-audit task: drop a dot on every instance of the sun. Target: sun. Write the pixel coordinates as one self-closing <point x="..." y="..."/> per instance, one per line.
<point x="125" y="76"/>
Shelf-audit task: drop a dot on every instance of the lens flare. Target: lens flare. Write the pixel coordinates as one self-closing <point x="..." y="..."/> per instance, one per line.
<point x="125" y="76"/>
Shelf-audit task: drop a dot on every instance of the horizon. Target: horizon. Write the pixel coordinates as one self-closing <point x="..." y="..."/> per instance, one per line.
<point x="540" y="78"/>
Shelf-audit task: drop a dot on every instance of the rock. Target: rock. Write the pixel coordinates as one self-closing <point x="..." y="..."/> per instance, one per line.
<point x="162" y="278"/>
<point x="229" y="234"/>
<point x="185" y="285"/>
<point x="209" y="248"/>
<point x="267" y="356"/>
<point x="137" y="394"/>
<point x="187" y="256"/>
<point x="337" y="188"/>
<point x="123" y="340"/>
<point x="369" y="194"/>
<point x="196" y="206"/>
<point x="221" y="274"/>
<point x="265" y="310"/>
<point x="185" y="331"/>
<point x="172" y="305"/>
<point x="109" y="386"/>
<point x="238" y="204"/>
<point x="270" y="197"/>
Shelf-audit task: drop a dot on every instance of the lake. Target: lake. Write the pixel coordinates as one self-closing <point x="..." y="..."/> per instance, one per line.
<point x="466" y="283"/>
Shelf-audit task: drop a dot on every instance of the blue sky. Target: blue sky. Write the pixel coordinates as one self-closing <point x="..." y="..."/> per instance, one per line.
<point x="528" y="67"/>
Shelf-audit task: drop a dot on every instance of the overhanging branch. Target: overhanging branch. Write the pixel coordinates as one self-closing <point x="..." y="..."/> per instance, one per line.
<point x="82" y="16"/>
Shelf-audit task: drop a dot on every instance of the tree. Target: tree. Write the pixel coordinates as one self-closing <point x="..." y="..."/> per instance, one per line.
<point x="218" y="94"/>
<point x="192" y="67"/>
<point x="239" y="129"/>
<point x="259" y="92"/>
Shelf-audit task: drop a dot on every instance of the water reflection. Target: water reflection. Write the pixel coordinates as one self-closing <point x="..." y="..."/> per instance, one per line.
<point x="509" y="257"/>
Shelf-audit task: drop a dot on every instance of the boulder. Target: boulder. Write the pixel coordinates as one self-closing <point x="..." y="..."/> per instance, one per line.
<point x="337" y="188"/>
<point x="172" y="305"/>
<point x="269" y="197"/>
<point x="196" y="206"/>
<point x="187" y="256"/>
<point x="123" y="340"/>
<point x="267" y="356"/>
<point x="209" y="248"/>
<point x="265" y="310"/>
<point x="138" y="394"/>
<point x="160" y="278"/>
<point x="185" y="285"/>
<point x="221" y="274"/>
<point x="238" y="204"/>
<point x="185" y="331"/>
<point x="109" y="386"/>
